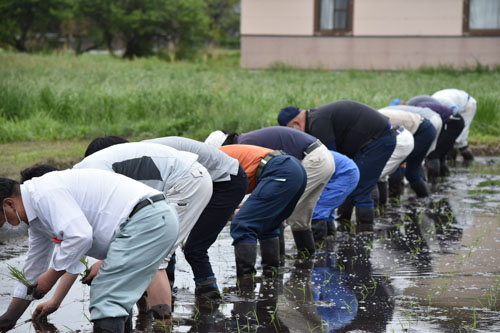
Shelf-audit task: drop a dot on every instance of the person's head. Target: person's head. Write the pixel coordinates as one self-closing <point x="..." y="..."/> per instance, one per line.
<point x="294" y="117"/>
<point x="103" y="142"/>
<point x="36" y="171"/>
<point x="230" y="139"/>
<point x="12" y="204"/>
<point x="216" y="138"/>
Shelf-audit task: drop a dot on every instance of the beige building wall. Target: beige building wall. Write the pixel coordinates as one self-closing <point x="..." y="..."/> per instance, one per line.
<point x="407" y="17"/>
<point x="378" y="53"/>
<point x="277" y="17"/>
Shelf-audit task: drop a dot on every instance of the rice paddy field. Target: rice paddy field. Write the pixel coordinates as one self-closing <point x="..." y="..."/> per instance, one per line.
<point x="429" y="265"/>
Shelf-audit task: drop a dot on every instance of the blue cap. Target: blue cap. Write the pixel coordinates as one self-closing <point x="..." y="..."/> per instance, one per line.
<point x="287" y="114"/>
<point x="455" y="108"/>
<point x="395" y="101"/>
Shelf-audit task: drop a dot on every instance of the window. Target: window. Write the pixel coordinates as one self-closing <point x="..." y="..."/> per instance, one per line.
<point x="482" y="17"/>
<point x="334" y="17"/>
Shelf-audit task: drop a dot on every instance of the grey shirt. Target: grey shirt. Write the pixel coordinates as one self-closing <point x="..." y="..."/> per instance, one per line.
<point x="152" y="164"/>
<point x="219" y="165"/>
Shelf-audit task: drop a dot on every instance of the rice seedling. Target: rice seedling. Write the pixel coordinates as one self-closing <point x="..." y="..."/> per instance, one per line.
<point x="86" y="272"/>
<point x="19" y="276"/>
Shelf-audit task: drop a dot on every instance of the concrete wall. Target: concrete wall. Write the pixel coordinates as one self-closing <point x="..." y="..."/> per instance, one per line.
<point x="377" y="53"/>
<point x="277" y="17"/>
<point x="407" y="17"/>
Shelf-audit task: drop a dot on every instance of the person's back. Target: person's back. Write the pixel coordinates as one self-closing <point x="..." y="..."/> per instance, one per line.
<point x="220" y="166"/>
<point x="156" y="165"/>
<point x="349" y="124"/>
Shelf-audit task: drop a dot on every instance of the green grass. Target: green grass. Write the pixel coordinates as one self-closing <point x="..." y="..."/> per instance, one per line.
<point x="61" y="96"/>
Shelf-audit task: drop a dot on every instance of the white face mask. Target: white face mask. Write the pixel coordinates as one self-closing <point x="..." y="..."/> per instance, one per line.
<point x="18" y="217"/>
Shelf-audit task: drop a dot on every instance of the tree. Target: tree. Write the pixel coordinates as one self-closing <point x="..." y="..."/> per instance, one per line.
<point x="29" y="21"/>
<point x="224" y="20"/>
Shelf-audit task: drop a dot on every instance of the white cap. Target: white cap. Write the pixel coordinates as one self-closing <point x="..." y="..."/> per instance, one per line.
<point x="216" y="139"/>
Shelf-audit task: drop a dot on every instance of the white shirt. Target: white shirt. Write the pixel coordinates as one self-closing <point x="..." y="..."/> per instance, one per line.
<point x="450" y="97"/>
<point x="80" y="207"/>
<point x="219" y="165"/>
<point x="153" y="164"/>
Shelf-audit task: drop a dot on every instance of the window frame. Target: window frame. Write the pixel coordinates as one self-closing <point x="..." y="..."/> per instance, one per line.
<point x="332" y="32"/>
<point x="475" y="32"/>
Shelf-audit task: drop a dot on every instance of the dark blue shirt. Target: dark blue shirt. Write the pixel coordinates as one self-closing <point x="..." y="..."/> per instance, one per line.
<point x="291" y="141"/>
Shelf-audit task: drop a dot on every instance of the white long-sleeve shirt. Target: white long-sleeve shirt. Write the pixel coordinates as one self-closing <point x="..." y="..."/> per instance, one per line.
<point x="80" y="207"/>
<point x="153" y="164"/>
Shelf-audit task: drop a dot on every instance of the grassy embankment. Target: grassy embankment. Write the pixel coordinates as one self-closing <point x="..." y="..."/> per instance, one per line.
<point x="58" y="102"/>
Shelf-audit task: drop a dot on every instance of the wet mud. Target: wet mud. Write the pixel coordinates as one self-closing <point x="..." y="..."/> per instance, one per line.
<point x="429" y="265"/>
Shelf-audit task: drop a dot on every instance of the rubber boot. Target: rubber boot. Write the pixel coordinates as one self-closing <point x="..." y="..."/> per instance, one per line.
<point x="344" y="216"/>
<point x="451" y="156"/>
<point x="444" y="171"/>
<point x="282" y="245"/>
<point x="395" y="186"/>
<point x="109" y="325"/>
<point x="382" y="193"/>
<point x="420" y="188"/>
<point x="171" y="271"/>
<point x="269" y="251"/>
<point x="433" y="169"/>
<point x="466" y="154"/>
<point x="245" y="254"/>
<point x="319" y="230"/>
<point x="206" y="288"/>
<point x="375" y="196"/>
<point x="330" y="228"/>
<point x="304" y="241"/>
<point x="365" y="218"/>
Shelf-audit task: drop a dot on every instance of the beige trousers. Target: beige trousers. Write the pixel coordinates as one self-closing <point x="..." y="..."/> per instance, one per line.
<point x="319" y="166"/>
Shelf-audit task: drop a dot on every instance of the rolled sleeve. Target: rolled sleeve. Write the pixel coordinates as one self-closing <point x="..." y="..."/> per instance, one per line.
<point x="68" y="223"/>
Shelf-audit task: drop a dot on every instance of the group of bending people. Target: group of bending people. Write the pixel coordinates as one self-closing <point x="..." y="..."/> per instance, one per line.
<point x="130" y="205"/>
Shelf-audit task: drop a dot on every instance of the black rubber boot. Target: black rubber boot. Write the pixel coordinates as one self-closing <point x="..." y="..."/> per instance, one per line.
<point x="395" y="186"/>
<point x="420" y="188"/>
<point x="330" y="228"/>
<point x="466" y="154"/>
<point x="365" y="215"/>
<point x="344" y="216"/>
<point x="170" y="270"/>
<point x="282" y="245"/>
<point x="109" y="325"/>
<point x="304" y="241"/>
<point x="269" y="251"/>
<point x="206" y="288"/>
<point x="319" y="230"/>
<point x="433" y="169"/>
<point x="382" y="193"/>
<point x="245" y="255"/>
<point x="444" y="171"/>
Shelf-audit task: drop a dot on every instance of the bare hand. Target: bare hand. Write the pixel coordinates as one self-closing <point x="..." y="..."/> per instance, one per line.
<point x="43" y="310"/>
<point x="94" y="269"/>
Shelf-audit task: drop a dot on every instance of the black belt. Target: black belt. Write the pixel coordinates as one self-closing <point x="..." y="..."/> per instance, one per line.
<point x="264" y="161"/>
<point x="148" y="201"/>
<point x="312" y="146"/>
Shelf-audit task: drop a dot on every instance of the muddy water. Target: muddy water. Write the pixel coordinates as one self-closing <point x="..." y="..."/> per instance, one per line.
<point x="429" y="266"/>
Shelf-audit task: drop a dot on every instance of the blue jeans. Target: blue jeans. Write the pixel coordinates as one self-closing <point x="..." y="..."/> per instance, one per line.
<point x="343" y="181"/>
<point x="280" y="186"/>
<point x="423" y="139"/>
<point x="371" y="161"/>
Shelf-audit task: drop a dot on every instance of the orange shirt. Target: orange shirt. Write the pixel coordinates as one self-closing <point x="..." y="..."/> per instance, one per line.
<point x="249" y="158"/>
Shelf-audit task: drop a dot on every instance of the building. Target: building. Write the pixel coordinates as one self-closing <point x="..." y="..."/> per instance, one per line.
<point x="370" y="34"/>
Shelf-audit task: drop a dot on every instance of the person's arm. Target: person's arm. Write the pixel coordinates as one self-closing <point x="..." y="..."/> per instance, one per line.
<point x="46" y="281"/>
<point x="46" y="308"/>
<point x="15" y="310"/>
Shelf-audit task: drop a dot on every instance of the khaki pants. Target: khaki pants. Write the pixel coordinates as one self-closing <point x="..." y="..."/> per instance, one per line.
<point x="319" y="166"/>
